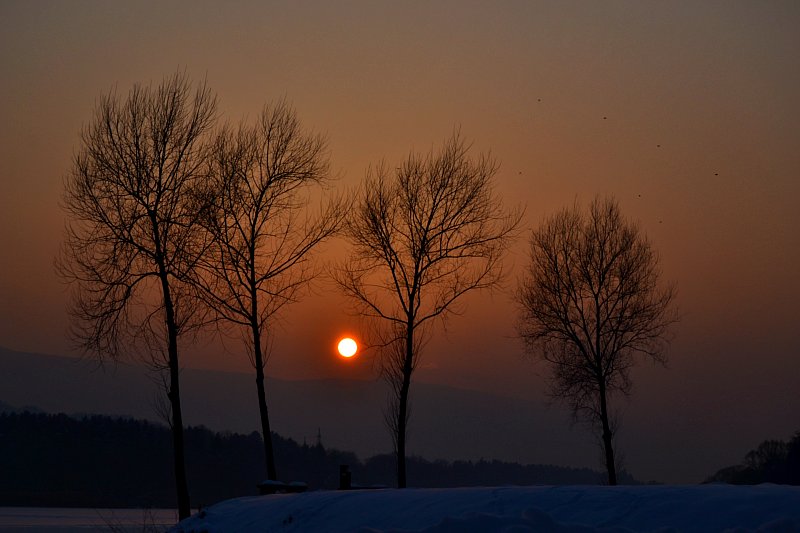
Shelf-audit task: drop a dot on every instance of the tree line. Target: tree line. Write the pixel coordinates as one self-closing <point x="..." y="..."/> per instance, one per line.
<point x="773" y="461"/>
<point x="177" y="224"/>
<point x="99" y="461"/>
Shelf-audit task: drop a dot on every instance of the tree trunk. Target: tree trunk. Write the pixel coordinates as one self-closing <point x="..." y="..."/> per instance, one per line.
<point x="401" y="435"/>
<point x="266" y="432"/>
<point x="402" y="411"/>
<point x="607" y="437"/>
<point x="174" y="395"/>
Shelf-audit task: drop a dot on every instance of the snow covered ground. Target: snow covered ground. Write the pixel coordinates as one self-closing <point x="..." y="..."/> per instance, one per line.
<point x="77" y="520"/>
<point x="706" y="508"/>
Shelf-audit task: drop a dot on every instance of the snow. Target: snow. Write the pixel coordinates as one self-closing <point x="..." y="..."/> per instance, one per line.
<point x="573" y="509"/>
<point x="77" y="520"/>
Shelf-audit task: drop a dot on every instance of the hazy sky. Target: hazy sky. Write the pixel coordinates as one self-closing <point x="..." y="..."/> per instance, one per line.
<point x="686" y="112"/>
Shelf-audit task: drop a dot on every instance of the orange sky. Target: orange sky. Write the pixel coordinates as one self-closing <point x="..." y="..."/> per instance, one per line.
<point x="687" y="113"/>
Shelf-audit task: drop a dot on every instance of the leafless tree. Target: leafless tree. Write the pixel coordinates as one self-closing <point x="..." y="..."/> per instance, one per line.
<point x="263" y="179"/>
<point x="590" y="301"/>
<point x="132" y="236"/>
<point x="422" y="237"/>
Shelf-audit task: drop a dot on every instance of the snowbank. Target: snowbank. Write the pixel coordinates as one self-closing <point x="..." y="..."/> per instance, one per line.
<point x="582" y="509"/>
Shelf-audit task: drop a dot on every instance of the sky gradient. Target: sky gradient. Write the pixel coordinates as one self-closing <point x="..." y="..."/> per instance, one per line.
<point x="686" y="112"/>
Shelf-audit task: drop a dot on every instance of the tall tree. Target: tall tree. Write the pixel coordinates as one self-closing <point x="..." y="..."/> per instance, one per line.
<point x="591" y="300"/>
<point x="422" y="237"/>
<point x="263" y="179"/>
<point x="132" y="237"/>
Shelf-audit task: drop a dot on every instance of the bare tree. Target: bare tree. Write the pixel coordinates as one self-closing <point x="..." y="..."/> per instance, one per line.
<point x="422" y="237"/>
<point x="132" y="236"/>
<point x="590" y="301"/>
<point x="262" y="181"/>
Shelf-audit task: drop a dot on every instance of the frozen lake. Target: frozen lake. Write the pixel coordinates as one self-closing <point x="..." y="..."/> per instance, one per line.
<point x="69" y="520"/>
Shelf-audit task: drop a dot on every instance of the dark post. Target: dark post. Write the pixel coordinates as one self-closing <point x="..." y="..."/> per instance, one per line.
<point x="344" y="477"/>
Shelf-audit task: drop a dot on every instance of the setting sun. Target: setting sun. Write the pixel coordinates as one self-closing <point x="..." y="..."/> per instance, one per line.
<point x="347" y="347"/>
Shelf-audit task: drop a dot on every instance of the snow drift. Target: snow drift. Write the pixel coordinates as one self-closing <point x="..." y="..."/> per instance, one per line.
<point x="706" y="508"/>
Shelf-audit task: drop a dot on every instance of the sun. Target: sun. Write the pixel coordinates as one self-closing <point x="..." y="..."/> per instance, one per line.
<point x="347" y="347"/>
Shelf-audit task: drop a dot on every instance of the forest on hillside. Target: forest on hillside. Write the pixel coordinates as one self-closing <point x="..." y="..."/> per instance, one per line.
<point x="98" y="461"/>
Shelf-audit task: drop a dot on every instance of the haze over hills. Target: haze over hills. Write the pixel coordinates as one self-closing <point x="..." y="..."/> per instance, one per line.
<point x="447" y="423"/>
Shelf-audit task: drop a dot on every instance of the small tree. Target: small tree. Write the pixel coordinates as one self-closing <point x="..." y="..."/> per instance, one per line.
<point x="261" y="182"/>
<point x="132" y="238"/>
<point x="422" y="237"/>
<point x="590" y="301"/>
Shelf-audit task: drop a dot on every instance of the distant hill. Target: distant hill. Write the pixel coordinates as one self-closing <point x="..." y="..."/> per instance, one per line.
<point x="99" y="461"/>
<point x="446" y="423"/>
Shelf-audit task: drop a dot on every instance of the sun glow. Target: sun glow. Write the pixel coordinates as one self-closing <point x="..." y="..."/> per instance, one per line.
<point x="347" y="347"/>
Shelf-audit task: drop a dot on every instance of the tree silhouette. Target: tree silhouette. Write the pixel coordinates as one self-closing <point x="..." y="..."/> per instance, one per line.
<point x="422" y="237"/>
<point x="590" y="300"/>
<point x="132" y="237"/>
<point x="261" y="182"/>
